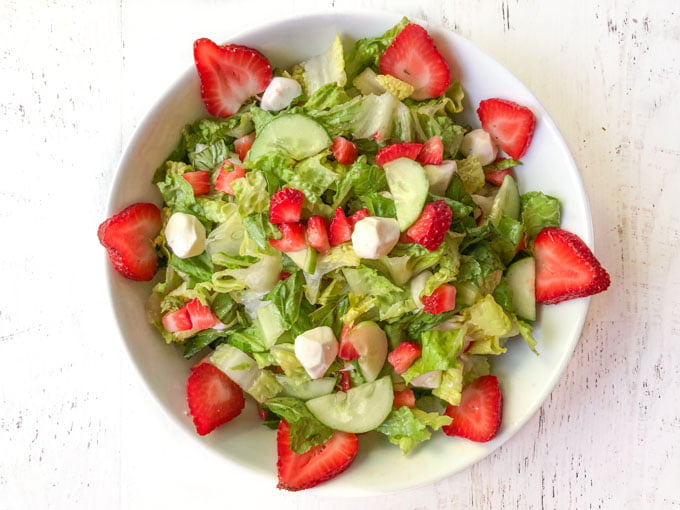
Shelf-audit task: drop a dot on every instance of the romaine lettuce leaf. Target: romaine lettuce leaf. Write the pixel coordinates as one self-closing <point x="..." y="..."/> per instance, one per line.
<point x="539" y="211"/>
<point x="326" y="97"/>
<point x="367" y="52"/>
<point x="326" y="68"/>
<point x="251" y="193"/>
<point x="471" y="173"/>
<point x="288" y="297"/>
<point x="488" y="317"/>
<point x="208" y="157"/>
<point x="451" y="386"/>
<point x="305" y="430"/>
<point x="440" y="349"/>
<point x="178" y="193"/>
<point x="407" y="427"/>
<point x="265" y="387"/>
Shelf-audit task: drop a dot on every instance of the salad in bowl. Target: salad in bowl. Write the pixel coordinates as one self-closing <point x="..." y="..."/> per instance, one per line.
<point x="339" y="245"/>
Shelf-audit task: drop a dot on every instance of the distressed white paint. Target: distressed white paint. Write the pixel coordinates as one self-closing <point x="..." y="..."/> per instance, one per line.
<point x="77" y="429"/>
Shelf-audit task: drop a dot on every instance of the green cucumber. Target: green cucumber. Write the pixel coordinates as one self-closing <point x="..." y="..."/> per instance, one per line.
<point x="307" y="389"/>
<point x="507" y="201"/>
<point x="521" y="277"/>
<point x="409" y="185"/>
<point x="357" y="410"/>
<point x="295" y="135"/>
<point x="304" y="259"/>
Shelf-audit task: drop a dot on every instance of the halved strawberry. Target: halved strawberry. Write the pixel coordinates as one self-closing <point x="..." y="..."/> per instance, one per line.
<point x="413" y="57"/>
<point x="478" y="415"/>
<point x="403" y="356"/>
<point x="201" y="315"/>
<point x="344" y="151"/>
<point x="565" y="267"/>
<point x="242" y="145"/>
<point x="431" y="226"/>
<point x="398" y="150"/>
<point x="320" y="463"/>
<point x="293" y="238"/>
<point x="199" y="180"/>
<point x="496" y="178"/>
<point x="178" y="320"/>
<point x="404" y="398"/>
<point x="341" y="228"/>
<point x="317" y="234"/>
<point x="128" y="238"/>
<point x="286" y="206"/>
<point x="432" y="152"/>
<point x="358" y="216"/>
<point x="347" y="351"/>
<point x="510" y="125"/>
<point x="213" y="398"/>
<point x="228" y="174"/>
<point x="230" y="75"/>
<point x="443" y="299"/>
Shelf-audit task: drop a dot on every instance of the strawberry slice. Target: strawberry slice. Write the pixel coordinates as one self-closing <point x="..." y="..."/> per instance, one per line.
<point x="403" y="356"/>
<point x="178" y="320"/>
<point x="432" y="152"/>
<point x="317" y="234"/>
<point x="565" y="267"/>
<point x="509" y="124"/>
<point x="242" y="145"/>
<point x="228" y="174"/>
<point x="398" y="150"/>
<point x="283" y="275"/>
<point x="431" y="226"/>
<point x="443" y="299"/>
<point x="230" y="75"/>
<point x="320" y="463"/>
<point x="128" y="238"/>
<point x="413" y="57"/>
<point x="358" y="216"/>
<point x="478" y="415"/>
<point x="496" y="178"/>
<point x="199" y="180"/>
<point x="286" y="206"/>
<point x="213" y="398"/>
<point x="293" y="238"/>
<point x="345" y="381"/>
<point x="201" y="315"/>
<point x="341" y="228"/>
<point x="344" y="151"/>
<point x="404" y="398"/>
<point x="347" y="351"/>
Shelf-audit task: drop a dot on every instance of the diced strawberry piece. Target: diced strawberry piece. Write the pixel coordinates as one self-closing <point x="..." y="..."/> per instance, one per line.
<point x="283" y="275"/>
<point x="432" y="152"/>
<point x="201" y="315"/>
<point x="213" y="398"/>
<point x="178" y="320"/>
<point x="405" y="238"/>
<point x="242" y="145"/>
<point x="413" y="57"/>
<point x="565" y="267"/>
<point x="358" y="216"/>
<point x="344" y="151"/>
<point x="286" y="206"/>
<point x="341" y="229"/>
<point x="345" y="381"/>
<point x="522" y="245"/>
<point x="443" y="299"/>
<point x="403" y="356"/>
<point x="261" y="412"/>
<point x="230" y="75"/>
<point x="431" y="226"/>
<point x="320" y="463"/>
<point x="510" y="125"/>
<point x="496" y="178"/>
<point x="478" y="415"/>
<point x="199" y="180"/>
<point x="404" y="398"/>
<point x="317" y="234"/>
<point x="293" y="238"/>
<point x="346" y="351"/>
<point x="398" y="150"/>
<point x="128" y="238"/>
<point x="228" y="174"/>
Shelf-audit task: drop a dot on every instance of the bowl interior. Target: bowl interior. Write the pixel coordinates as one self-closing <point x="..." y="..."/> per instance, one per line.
<point x="526" y="379"/>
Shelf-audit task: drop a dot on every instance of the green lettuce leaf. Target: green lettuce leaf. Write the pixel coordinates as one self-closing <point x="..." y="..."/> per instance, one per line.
<point x="471" y="173"/>
<point x="198" y="268"/>
<point x="451" y="386"/>
<point x="361" y="179"/>
<point x="440" y="349"/>
<point x="305" y="430"/>
<point x="251" y="193"/>
<point x="288" y="297"/>
<point x="539" y="211"/>
<point x="260" y="230"/>
<point x="379" y="205"/>
<point x="265" y="387"/>
<point x="313" y="177"/>
<point x="407" y="427"/>
<point x="367" y="52"/>
<point x="208" y="157"/>
<point x="488" y="317"/>
<point x="326" y="97"/>
<point x="326" y="68"/>
<point x="228" y="235"/>
<point x="177" y="193"/>
<point x="474" y="366"/>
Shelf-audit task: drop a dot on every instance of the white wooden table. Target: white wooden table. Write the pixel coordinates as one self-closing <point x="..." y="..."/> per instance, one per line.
<point x="78" y="429"/>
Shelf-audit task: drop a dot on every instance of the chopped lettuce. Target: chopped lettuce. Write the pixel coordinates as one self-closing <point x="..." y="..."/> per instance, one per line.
<point x="471" y="173"/>
<point x="451" y="385"/>
<point x="305" y="430"/>
<point x="539" y="211"/>
<point x="407" y="427"/>
<point x="251" y="193"/>
<point x="326" y="97"/>
<point x="329" y="67"/>
<point x="440" y="349"/>
<point x="488" y="317"/>
<point x="367" y="52"/>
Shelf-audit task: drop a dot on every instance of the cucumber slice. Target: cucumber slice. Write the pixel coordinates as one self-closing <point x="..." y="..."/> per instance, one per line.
<point x="521" y="277"/>
<point x="370" y="342"/>
<point x="304" y="259"/>
<point x="358" y="410"/>
<point x="409" y="185"/>
<point x="507" y="201"/>
<point x="307" y="389"/>
<point x="295" y="135"/>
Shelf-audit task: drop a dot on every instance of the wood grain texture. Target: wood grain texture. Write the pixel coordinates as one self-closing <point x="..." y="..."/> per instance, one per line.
<point x="77" y="429"/>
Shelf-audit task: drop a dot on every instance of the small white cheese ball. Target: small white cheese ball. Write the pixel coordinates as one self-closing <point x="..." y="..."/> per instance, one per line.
<point x="417" y="285"/>
<point x="316" y="349"/>
<point x="185" y="235"/>
<point x="440" y="175"/>
<point x="430" y="380"/>
<point x="279" y="94"/>
<point x="374" y="237"/>
<point x="478" y="143"/>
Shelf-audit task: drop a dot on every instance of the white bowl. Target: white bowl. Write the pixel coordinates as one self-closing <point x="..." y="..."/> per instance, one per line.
<point x="526" y="379"/>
